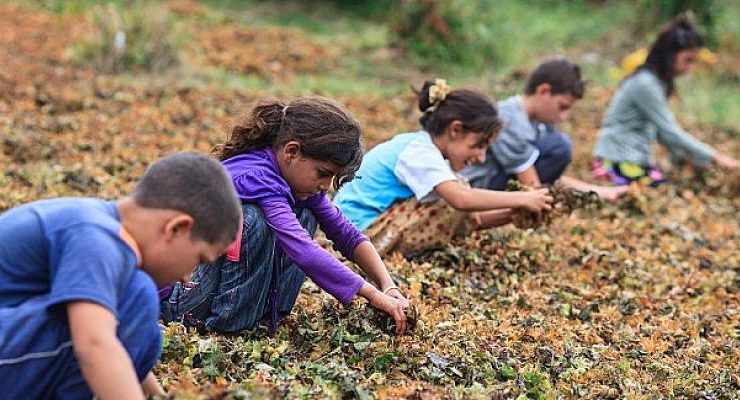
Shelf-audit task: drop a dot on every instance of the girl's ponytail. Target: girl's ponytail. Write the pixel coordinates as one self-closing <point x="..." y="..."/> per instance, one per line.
<point x="432" y="94"/>
<point x="441" y="106"/>
<point x="259" y="129"/>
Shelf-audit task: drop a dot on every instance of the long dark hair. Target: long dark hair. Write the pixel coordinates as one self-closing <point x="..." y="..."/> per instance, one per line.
<point x="324" y="128"/>
<point x="476" y="112"/>
<point x="677" y="36"/>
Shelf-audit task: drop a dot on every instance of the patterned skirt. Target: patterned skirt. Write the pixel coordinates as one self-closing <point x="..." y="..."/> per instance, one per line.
<point x="624" y="173"/>
<point x="409" y="226"/>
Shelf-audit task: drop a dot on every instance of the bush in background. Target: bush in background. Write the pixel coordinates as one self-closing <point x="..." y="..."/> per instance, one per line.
<point x="704" y="13"/>
<point x="449" y="31"/>
<point x="137" y="36"/>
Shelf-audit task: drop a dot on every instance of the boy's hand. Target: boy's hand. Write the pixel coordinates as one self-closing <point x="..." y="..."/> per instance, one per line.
<point x="612" y="193"/>
<point x="103" y="360"/>
<point x="536" y="200"/>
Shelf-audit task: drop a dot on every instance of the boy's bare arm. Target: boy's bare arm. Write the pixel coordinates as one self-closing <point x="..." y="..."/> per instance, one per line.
<point x="529" y="177"/>
<point x="104" y="363"/>
<point x="151" y="386"/>
<point x="607" y="193"/>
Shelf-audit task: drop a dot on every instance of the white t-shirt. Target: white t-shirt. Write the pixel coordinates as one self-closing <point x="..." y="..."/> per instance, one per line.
<point x="421" y="166"/>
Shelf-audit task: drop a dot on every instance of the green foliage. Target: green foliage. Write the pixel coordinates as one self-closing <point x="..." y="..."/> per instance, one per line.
<point x="136" y="37"/>
<point x="537" y="385"/>
<point x="506" y="372"/>
<point x="479" y="34"/>
<point x="704" y="12"/>
<point x="447" y="31"/>
<point x="71" y="6"/>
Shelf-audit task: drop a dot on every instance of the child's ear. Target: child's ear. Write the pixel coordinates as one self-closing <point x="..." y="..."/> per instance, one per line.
<point x="456" y="129"/>
<point x="292" y="150"/>
<point x="543" y="89"/>
<point x="180" y="224"/>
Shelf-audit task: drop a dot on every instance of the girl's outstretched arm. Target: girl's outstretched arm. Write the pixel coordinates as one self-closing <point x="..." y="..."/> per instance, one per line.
<point x="367" y="257"/>
<point x="466" y="199"/>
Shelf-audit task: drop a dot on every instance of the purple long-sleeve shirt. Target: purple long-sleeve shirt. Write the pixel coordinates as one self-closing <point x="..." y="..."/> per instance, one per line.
<point x="257" y="180"/>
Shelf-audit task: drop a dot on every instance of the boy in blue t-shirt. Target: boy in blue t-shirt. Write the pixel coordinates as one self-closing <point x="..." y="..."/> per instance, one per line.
<point x="529" y="148"/>
<point x="78" y="278"/>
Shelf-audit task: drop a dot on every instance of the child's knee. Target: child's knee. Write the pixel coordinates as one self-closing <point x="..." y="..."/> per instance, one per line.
<point x="563" y="147"/>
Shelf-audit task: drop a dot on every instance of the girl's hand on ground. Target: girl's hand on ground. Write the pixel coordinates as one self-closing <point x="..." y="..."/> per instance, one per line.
<point x="537" y="200"/>
<point x="391" y="306"/>
<point x="396" y="294"/>
<point x="727" y="162"/>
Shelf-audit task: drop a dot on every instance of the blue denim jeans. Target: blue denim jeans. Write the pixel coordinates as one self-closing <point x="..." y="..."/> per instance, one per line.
<point x="227" y="296"/>
<point x="556" y="152"/>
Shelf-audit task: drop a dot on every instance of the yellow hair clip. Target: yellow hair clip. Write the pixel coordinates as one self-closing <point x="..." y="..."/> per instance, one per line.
<point x="438" y="92"/>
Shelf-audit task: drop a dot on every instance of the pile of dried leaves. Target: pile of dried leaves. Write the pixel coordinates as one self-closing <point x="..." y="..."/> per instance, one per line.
<point x="269" y="52"/>
<point x="639" y="299"/>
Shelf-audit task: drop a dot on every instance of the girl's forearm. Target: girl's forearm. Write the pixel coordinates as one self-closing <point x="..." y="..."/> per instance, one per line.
<point x="367" y="257"/>
<point x="370" y="292"/>
<point x="485" y="200"/>
<point x="490" y="219"/>
<point x="466" y="199"/>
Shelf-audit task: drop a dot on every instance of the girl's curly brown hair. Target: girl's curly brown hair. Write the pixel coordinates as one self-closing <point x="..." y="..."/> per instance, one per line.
<point x="323" y="127"/>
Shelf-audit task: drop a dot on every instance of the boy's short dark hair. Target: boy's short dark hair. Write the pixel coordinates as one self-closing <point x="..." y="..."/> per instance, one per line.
<point x="563" y="76"/>
<point x="198" y="186"/>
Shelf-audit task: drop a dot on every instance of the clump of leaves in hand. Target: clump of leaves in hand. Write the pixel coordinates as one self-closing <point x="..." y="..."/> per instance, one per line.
<point x="565" y="201"/>
<point x="387" y="324"/>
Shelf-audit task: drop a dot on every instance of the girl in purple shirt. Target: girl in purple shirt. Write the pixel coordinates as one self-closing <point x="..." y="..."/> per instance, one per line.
<point x="282" y="160"/>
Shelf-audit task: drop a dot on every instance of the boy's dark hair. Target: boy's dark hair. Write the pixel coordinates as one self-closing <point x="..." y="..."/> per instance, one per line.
<point x="677" y="36"/>
<point x="324" y="128"/>
<point x="476" y="112"/>
<point x="563" y="76"/>
<point x="197" y="185"/>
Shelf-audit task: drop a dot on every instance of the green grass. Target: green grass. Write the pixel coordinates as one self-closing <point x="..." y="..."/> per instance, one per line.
<point x="709" y="101"/>
<point x="595" y="34"/>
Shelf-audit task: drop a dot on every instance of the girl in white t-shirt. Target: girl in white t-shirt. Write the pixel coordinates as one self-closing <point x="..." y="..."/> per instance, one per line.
<point x="408" y="196"/>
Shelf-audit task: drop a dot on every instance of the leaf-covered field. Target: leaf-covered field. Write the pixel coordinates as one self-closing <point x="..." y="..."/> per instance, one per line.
<point x="639" y="299"/>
